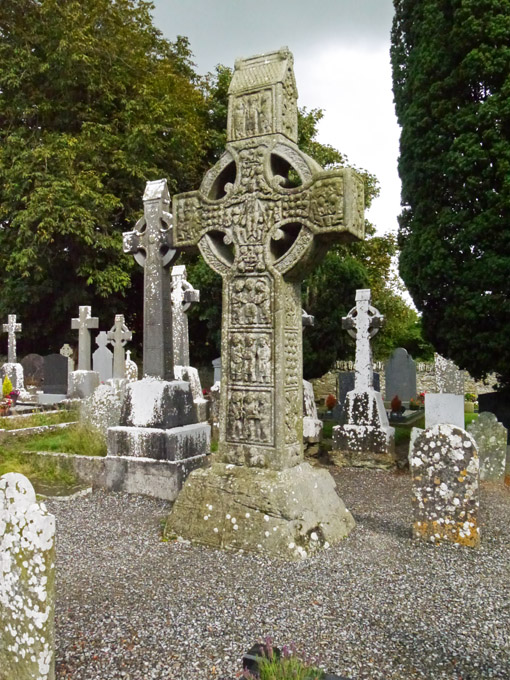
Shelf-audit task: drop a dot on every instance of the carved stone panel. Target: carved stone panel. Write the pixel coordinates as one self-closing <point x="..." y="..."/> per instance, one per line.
<point x="251" y="357"/>
<point x="250" y="416"/>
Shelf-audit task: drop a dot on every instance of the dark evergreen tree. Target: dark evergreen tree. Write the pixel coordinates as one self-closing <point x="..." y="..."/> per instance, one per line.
<point x="451" y="81"/>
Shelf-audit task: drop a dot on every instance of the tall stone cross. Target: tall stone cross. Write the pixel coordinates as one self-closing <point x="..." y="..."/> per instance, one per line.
<point x="83" y="324"/>
<point x="150" y="243"/>
<point x="183" y="294"/>
<point x="362" y="323"/>
<point x="264" y="215"/>
<point x="118" y="335"/>
<point x="11" y="328"/>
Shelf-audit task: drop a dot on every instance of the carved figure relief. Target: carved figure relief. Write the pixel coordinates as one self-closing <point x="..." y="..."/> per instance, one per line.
<point x="250" y="358"/>
<point x="250" y="416"/>
<point x="253" y="114"/>
<point x="250" y="302"/>
<point x="326" y="204"/>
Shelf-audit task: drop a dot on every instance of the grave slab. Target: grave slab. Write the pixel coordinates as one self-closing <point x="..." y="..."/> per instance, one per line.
<point x="444" y="408"/>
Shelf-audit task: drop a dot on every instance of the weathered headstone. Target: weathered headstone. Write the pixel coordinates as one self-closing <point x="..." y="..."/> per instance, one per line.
<point x="55" y="374"/>
<point x="262" y="233"/>
<point x="33" y="369"/>
<point x="444" y="467"/>
<point x="490" y="437"/>
<point x="449" y="378"/>
<point x="131" y="369"/>
<point x="499" y="404"/>
<point x="67" y="351"/>
<point x="183" y="295"/>
<point x="400" y="376"/>
<point x="118" y="336"/>
<point x="27" y="583"/>
<point x="83" y="381"/>
<point x="366" y="439"/>
<point x="102" y="358"/>
<point x="447" y="405"/>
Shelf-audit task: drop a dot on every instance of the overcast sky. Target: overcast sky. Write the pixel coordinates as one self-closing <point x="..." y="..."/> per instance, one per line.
<point x="341" y="62"/>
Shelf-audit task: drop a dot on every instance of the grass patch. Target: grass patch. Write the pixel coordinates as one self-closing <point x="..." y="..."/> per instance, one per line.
<point x="469" y="417"/>
<point x="39" y="419"/>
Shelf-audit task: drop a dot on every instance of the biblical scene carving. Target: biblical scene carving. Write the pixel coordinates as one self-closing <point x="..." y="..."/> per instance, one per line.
<point x="250" y="416"/>
<point x="291" y="416"/>
<point x="250" y="358"/>
<point x="326" y="204"/>
<point x="250" y="301"/>
<point x="253" y="114"/>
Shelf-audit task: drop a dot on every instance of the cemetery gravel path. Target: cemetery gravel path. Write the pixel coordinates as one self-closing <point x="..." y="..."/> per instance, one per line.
<point x="130" y="606"/>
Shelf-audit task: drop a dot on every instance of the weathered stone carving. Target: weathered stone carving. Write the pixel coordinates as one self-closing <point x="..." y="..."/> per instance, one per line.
<point x="11" y="328"/>
<point x="183" y="295"/>
<point x="118" y="336"/>
<point x="264" y="215"/>
<point x="83" y="324"/>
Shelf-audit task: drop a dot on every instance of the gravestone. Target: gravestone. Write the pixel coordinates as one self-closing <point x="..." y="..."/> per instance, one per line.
<point x="444" y="468"/>
<point x="118" y="336"/>
<point x="449" y="378"/>
<point x="67" y="351"/>
<point x="446" y="406"/>
<point x="490" y="437"/>
<point x="217" y="369"/>
<point x="366" y="438"/>
<point x="158" y="419"/>
<point x="55" y="374"/>
<point x="345" y="384"/>
<point x="11" y="328"/>
<point x="83" y="381"/>
<point x="102" y="358"/>
<point x="262" y="234"/>
<point x="499" y="404"/>
<point x="12" y="369"/>
<point x="33" y="369"/>
<point x="400" y="375"/>
<point x="183" y="295"/>
<point x="27" y="583"/>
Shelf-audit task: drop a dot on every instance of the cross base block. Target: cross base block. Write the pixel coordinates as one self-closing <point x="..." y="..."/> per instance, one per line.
<point x="82" y="384"/>
<point x="228" y="506"/>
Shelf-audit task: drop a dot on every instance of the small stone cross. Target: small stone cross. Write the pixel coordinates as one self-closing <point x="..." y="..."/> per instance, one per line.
<point x="362" y="323"/>
<point x="67" y="351"/>
<point x="83" y="324"/>
<point x="118" y="335"/>
<point x="265" y="214"/>
<point x="11" y="327"/>
<point x="150" y="243"/>
<point x="183" y="294"/>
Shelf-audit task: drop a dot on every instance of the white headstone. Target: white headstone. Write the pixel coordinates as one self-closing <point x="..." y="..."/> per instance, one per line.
<point x="102" y="359"/>
<point x="444" y="408"/>
<point x="11" y="328"/>
<point x="449" y="378"/>
<point x="83" y="324"/>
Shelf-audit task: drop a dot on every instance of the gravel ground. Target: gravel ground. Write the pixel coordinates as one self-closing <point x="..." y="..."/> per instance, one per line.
<point x="375" y="606"/>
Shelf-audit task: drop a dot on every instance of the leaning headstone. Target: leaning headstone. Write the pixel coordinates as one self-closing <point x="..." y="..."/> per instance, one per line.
<point x="366" y="439"/>
<point x="312" y="425"/>
<point x="33" y="368"/>
<point x="444" y="468"/>
<point x="118" y="336"/>
<point x="262" y="234"/>
<point x="490" y="436"/>
<point x="83" y="381"/>
<point x="27" y="583"/>
<point x="102" y="358"/>
<point x="449" y="378"/>
<point x="400" y="375"/>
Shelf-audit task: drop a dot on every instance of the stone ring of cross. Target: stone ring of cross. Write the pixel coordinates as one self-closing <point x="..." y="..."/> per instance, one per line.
<point x="376" y="321"/>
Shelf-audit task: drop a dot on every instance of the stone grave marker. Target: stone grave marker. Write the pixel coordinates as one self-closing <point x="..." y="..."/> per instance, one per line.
<point x="118" y="336"/>
<point x="11" y="328"/>
<point x="67" y="351"/>
<point x="345" y="384"/>
<point x="33" y="369"/>
<point x="444" y="468"/>
<point x="102" y="358"/>
<point x="183" y="295"/>
<point x="12" y="369"/>
<point x="490" y="437"/>
<point x="262" y="234"/>
<point x="447" y="406"/>
<point x="55" y="374"/>
<point x="449" y="378"/>
<point x="217" y="369"/>
<point x="400" y="375"/>
<point x="27" y="583"/>
<point x="312" y="425"/>
<point x="83" y="381"/>
<point x="131" y="369"/>
<point x="366" y="437"/>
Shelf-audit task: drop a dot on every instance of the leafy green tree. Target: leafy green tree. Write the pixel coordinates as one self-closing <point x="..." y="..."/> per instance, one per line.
<point x="451" y="82"/>
<point x="93" y="103"/>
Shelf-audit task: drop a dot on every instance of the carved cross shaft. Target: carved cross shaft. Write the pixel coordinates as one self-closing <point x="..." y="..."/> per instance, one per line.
<point x="263" y="233"/>
<point x="183" y="295"/>
<point x="11" y="328"/>
<point x="117" y="336"/>
<point x="362" y="323"/>
<point x="83" y="324"/>
<point x="150" y="243"/>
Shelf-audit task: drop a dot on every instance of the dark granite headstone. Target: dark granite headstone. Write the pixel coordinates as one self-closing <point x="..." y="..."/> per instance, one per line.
<point x="400" y="376"/>
<point x="33" y="369"/>
<point x="55" y="374"/>
<point x="344" y="384"/>
<point x="499" y="404"/>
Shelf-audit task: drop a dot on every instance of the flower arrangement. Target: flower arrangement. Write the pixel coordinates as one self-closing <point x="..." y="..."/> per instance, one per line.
<point x="469" y="396"/>
<point x="271" y="664"/>
<point x="417" y="402"/>
<point x="14" y="396"/>
<point x="6" y="386"/>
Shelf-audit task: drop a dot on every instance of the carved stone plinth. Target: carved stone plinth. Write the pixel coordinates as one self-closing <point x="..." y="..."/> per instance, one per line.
<point x="288" y="514"/>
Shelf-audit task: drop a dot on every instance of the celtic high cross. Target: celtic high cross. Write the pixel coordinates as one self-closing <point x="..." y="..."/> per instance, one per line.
<point x="263" y="217"/>
<point x="11" y="328"/>
<point x="183" y="294"/>
<point x="117" y="336"/>
<point x="362" y="323"/>
<point x="150" y="244"/>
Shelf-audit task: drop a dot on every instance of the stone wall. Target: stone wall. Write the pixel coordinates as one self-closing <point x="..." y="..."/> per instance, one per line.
<point x="425" y="379"/>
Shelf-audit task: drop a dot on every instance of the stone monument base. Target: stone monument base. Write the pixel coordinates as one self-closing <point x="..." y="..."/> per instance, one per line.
<point x="312" y="430"/>
<point x="177" y="443"/>
<point x="14" y="372"/>
<point x="82" y="384"/>
<point x="289" y="513"/>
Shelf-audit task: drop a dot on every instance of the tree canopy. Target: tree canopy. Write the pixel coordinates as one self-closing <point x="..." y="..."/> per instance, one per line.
<point x="451" y="82"/>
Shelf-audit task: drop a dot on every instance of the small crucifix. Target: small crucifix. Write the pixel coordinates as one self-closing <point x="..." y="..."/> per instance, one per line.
<point x="118" y="335"/>
<point x="150" y="243"/>
<point x="362" y="323"/>
<point x="11" y="328"/>
<point x="83" y="324"/>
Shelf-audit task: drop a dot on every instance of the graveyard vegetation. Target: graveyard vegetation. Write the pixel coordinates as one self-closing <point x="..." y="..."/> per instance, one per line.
<point x="451" y="82"/>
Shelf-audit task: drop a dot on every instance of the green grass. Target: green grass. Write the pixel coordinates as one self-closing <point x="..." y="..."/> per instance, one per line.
<point x="469" y="417"/>
<point x="39" y="419"/>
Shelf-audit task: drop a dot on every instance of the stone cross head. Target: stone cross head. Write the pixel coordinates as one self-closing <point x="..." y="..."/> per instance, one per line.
<point x="11" y="328"/>
<point x="83" y="324"/>
<point x="118" y="336"/>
